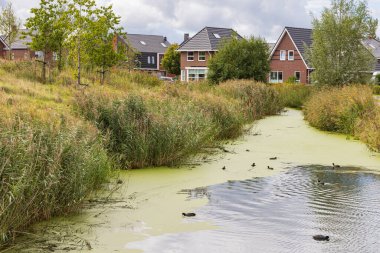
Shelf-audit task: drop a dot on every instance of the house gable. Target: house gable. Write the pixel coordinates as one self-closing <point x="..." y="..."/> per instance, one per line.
<point x="298" y="37"/>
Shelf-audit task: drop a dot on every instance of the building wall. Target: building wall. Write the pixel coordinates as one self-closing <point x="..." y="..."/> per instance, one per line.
<point x="288" y="67"/>
<point x="196" y="62"/>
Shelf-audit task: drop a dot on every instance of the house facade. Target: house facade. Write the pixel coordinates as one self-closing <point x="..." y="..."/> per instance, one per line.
<point x="287" y="58"/>
<point x="199" y="49"/>
<point x="20" y="49"/>
<point x="150" y="50"/>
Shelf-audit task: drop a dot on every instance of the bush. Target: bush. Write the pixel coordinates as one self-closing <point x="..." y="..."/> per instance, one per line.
<point x="291" y="80"/>
<point x="339" y="109"/>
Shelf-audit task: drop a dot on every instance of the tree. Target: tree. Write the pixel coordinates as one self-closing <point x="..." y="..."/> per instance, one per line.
<point x="240" y="59"/>
<point x="337" y="53"/>
<point x="102" y="51"/>
<point x="47" y="28"/>
<point x="9" y="26"/>
<point x="171" y="60"/>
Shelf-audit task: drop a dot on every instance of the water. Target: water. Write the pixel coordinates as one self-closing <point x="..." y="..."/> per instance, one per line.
<point x="239" y="209"/>
<point x="281" y="214"/>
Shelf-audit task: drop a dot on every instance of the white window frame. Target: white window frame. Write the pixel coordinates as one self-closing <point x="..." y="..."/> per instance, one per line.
<point x="148" y="59"/>
<point x="277" y="79"/>
<point x="196" y="78"/>
<point x="282" y="53"/>
<point x="190" y="56"/>
<point x="199" y="56"/>
<point x="290" y="58"/>
<point x="183" y="75"/>
<point x="295" y="75"/>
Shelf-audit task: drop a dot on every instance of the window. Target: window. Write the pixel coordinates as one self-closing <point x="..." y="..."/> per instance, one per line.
<point x="143" y="43"/>
<point x="297" y="74"/>
<point x="190" y="56"/>
<point x="216" y="35"/>
<point x="291" y="55"/>
<point x="55" y="56"/>
<point x="275" y="77"/>
<point x="183" y="75"/>
<point x="39" y="55"/>
<point x="153" y="60"/>
<point x="282" y="55"/>
<point x="163" y="44"/>
<point x="148" y="59"/>
<point x="197" y="74"/>
<point x="202" y="56"/>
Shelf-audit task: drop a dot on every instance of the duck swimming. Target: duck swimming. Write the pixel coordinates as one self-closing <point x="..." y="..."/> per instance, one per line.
<point x="321" y="237"/>
<point x="270" y="168"/>
<point x="188" y="214"/>
<point x="336" y="166"/>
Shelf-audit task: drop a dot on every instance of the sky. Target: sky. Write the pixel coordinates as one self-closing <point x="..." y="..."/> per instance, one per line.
<point x="173" y="18"/>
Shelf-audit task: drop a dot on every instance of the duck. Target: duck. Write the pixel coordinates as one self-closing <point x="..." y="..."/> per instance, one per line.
<point x="335" y="166"/>
<point x="320" y="182"/>
<point x="224" y="168"/>
<point x="188" y="214"/>
<point x="273" y="158"/>
<point x="119" y="181"/>
<point x="253" y="165"/>
<point x="270" y="168"/>
<point x="321" y="237"/>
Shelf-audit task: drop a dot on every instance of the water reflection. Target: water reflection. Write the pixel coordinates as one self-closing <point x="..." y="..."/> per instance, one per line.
<point x="283" y="212"/>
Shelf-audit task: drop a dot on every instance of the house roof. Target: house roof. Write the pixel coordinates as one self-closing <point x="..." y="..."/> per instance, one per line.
<point x="20" y="42"/>
<point x="208" y="39"/>
<point x="147" y="43"/>
<point x="300" y="37"/>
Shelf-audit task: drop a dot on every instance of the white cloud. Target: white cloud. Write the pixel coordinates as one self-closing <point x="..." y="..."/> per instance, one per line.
<point x="175" y="17"/>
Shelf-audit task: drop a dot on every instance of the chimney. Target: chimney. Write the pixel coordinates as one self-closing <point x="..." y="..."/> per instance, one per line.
<point x="186" y="37"/>
<point x="165" y="39"/>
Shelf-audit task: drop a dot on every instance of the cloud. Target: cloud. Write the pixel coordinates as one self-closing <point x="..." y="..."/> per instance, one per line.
<point x="172" y="18"/>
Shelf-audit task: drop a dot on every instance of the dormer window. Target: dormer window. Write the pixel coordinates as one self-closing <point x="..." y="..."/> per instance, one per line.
<point x="291" y="55"/>
<point x="216" y="35"/>
<point x="163" y="44"/>
<point x="282" y="55"/>
<point x="143" y="43"/>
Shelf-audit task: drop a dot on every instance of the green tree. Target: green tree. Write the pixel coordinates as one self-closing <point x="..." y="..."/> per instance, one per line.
<point x="102" y="52"/>
<point x="9" y="26"/>
<point x="171" y="60"/>
<point x="48" y="29"/>
<point x="337" y="53"/>
<point x="240" y="59"/>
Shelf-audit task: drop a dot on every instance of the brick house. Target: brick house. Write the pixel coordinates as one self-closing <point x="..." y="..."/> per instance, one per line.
<point x="150" y="50"/>
<point x="287" y="58"/>
<point x="21" y="50"/>
<point x="197" y="51"/>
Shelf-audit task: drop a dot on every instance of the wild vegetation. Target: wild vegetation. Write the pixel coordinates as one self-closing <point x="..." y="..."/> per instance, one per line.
<point x="58" y="142"/>
<point x="349" y="110"/>
<point x="294" y="95"/>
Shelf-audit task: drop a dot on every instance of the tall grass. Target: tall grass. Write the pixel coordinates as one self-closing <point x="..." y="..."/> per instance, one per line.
<point x="293" y="95"/>
<point x="168" y="124"/>
<point x="350" y="110"/>
<point x="49" y="159"/>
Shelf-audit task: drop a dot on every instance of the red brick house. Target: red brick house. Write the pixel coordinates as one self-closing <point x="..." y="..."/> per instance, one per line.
<point x="197" y="51"/>
<point x="21" y="50"/>
<point x="287" y="58"/>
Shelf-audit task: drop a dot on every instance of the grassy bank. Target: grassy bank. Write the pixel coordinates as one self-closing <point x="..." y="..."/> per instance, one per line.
<point x="349" y="110"/>
<point x="163" y="125"/>
<point x="58" y="142"/>
<point x="49" y="159"/>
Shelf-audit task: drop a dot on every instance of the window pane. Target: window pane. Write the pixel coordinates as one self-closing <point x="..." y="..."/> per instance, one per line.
<point x="280" y="76"/>
<point x="282" y="55"/>
<point x="291" y="55"/>
<point x="298" y="76"/>
<point x="273" y="76"/>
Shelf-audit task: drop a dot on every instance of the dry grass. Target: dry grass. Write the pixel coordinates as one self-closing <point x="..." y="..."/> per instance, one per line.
<point x="349" y="110"/>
